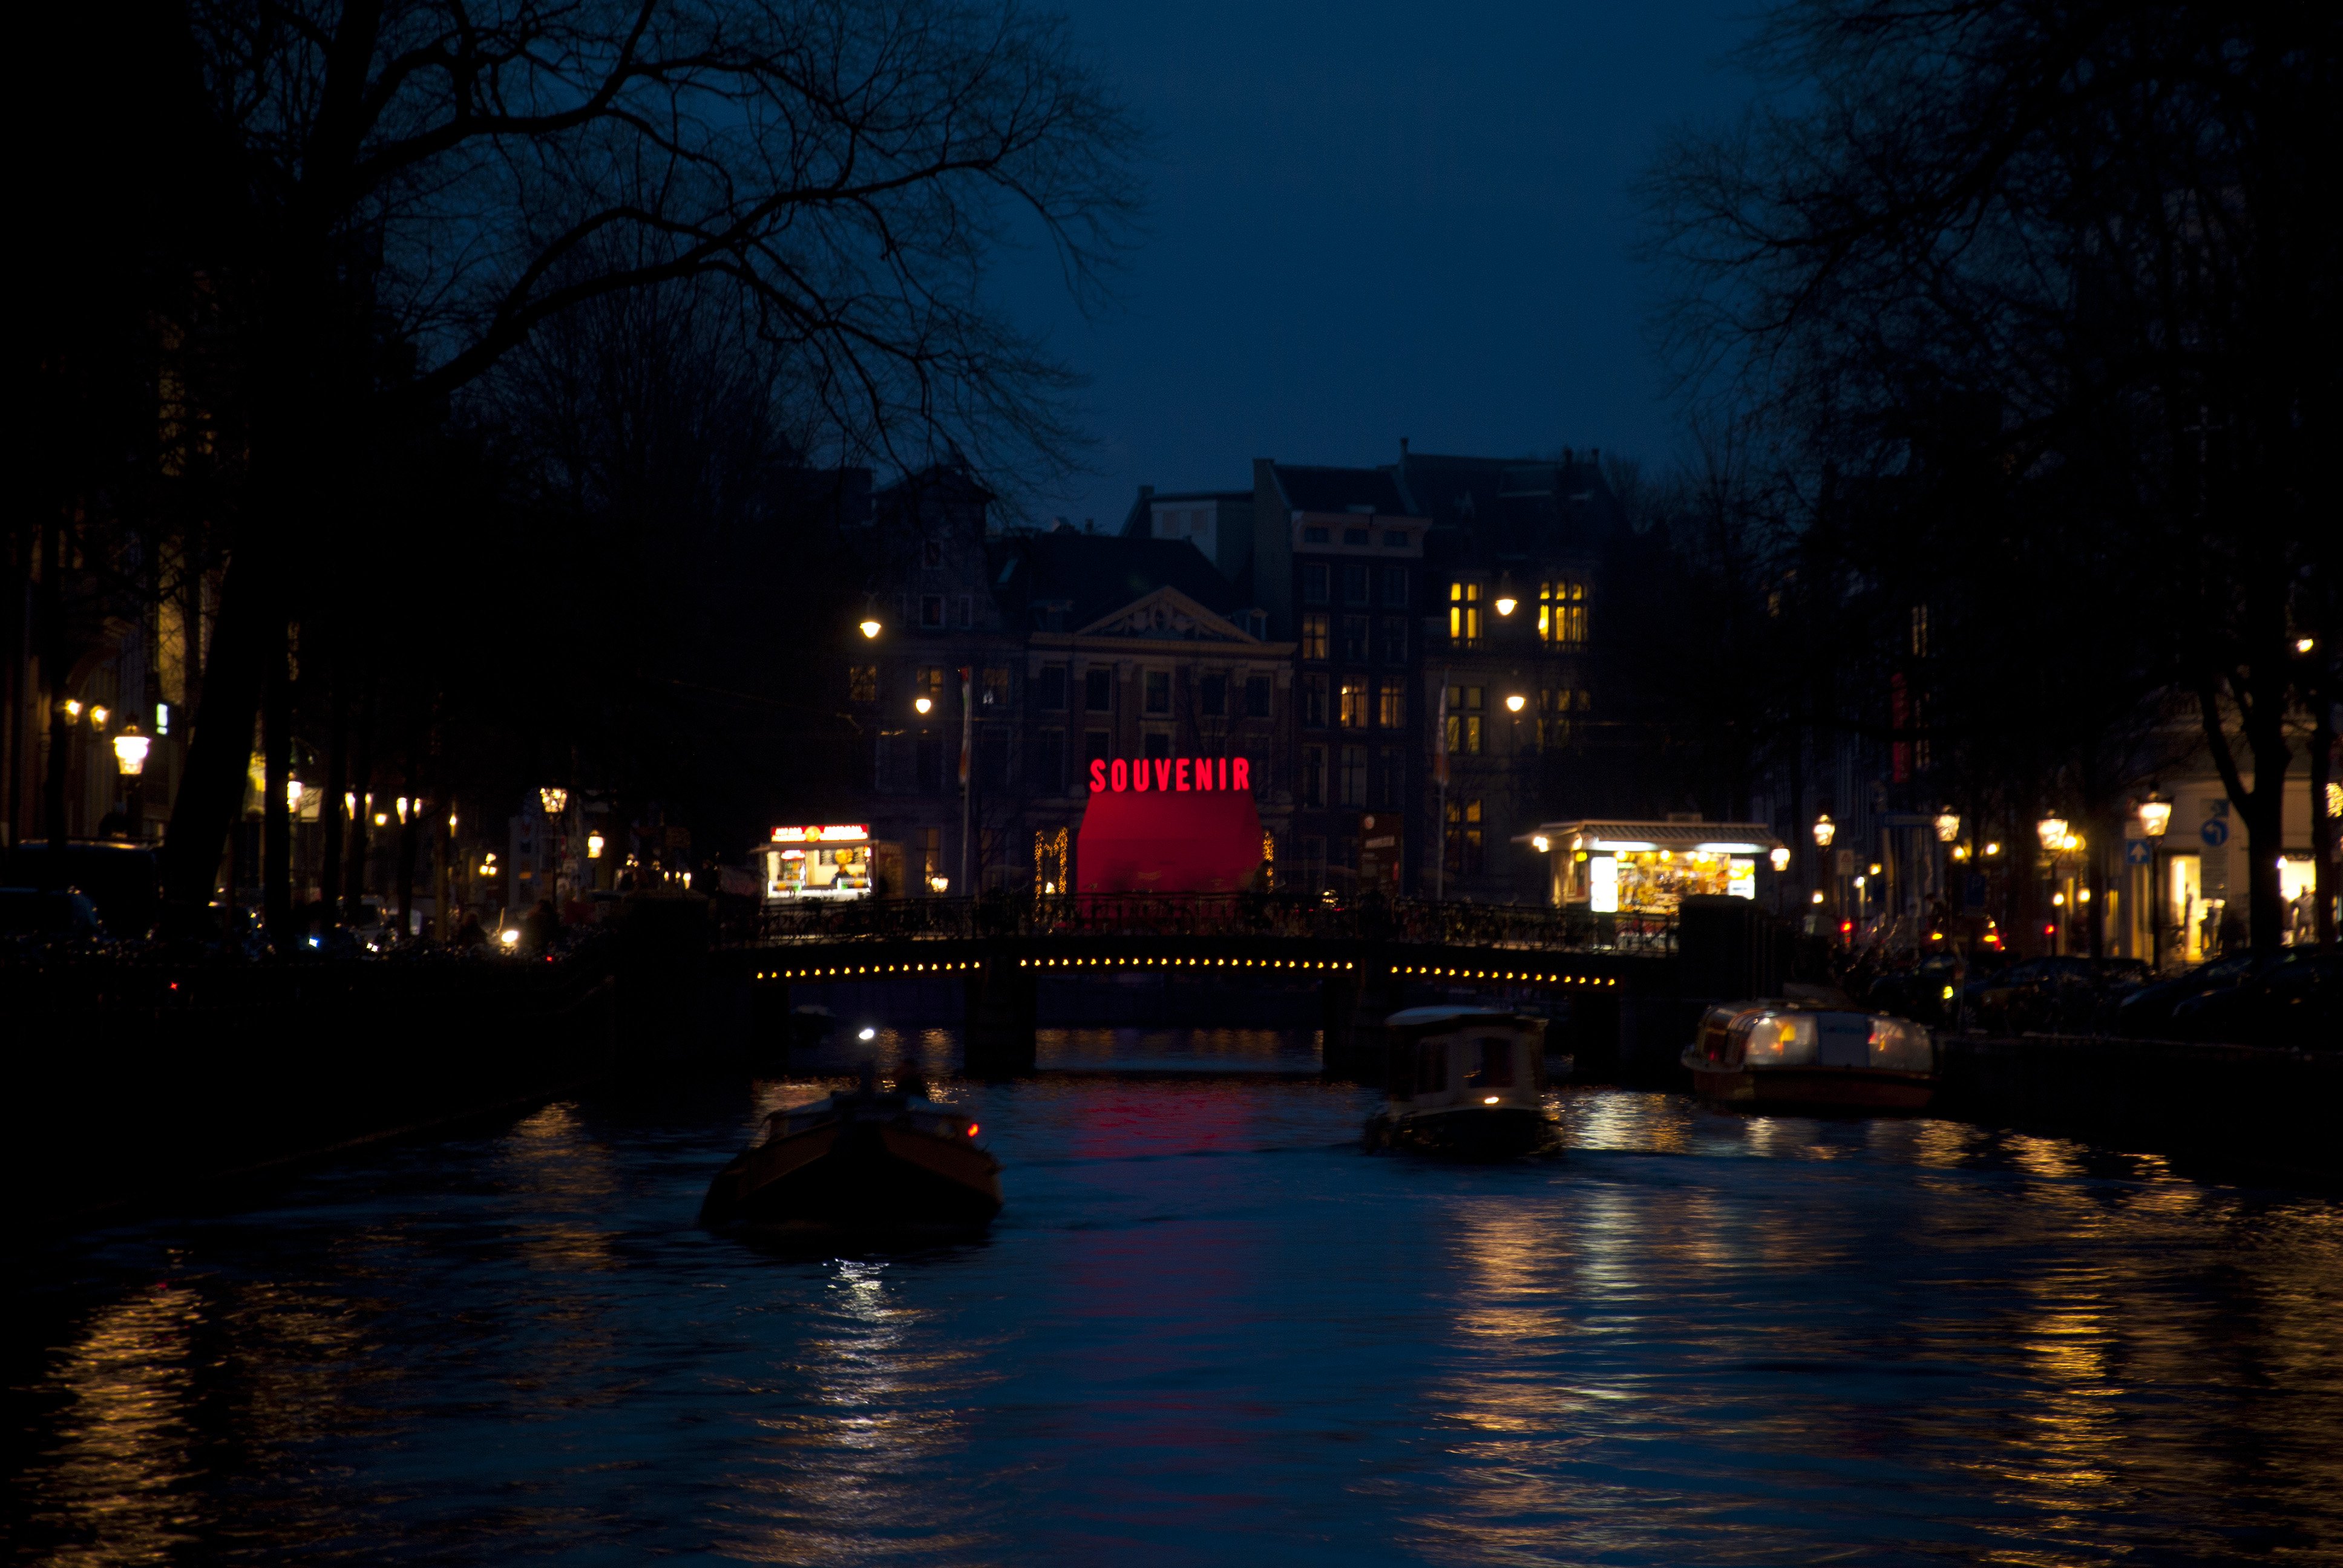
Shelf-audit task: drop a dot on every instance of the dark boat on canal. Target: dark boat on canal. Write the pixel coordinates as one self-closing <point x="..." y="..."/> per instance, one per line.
<point x="1798" y="1055"/>
<point x="862" y="1163"/>
<point x="1465" y="1082"/>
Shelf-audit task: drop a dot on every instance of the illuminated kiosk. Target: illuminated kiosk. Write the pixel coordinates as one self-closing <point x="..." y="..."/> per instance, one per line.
<point x="820" y="862"/>
<point x="1168" y="825"/>
<point x="1649" y="867"/>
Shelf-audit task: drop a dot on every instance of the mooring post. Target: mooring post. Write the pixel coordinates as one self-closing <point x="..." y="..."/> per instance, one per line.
<point x="999" y="1020"/>
<point x="1352" y="1004"/>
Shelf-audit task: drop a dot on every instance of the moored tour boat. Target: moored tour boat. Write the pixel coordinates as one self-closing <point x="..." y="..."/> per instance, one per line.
<point x="1789" y="1054"/>
<point x="861" y="1162"/>
<point x="1463" y="1081"/>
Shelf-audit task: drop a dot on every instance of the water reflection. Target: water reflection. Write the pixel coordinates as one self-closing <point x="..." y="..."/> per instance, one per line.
<point x="1208" y="1328"/>
<point x="111" y="1489"/>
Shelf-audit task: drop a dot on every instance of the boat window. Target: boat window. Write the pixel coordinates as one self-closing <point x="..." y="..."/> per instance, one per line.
<point x="1431" y="1066"/>
<point x="1497" y="1070"/>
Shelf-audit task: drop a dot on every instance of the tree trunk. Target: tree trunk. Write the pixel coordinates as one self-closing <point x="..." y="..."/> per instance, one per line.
<point x="219" y="752"/>
<point x="276" y="822"/>
<point x="53" y="664"/>
<point x="2263" y="807"/>
<point x="362" y="823"/>
<point x="409" y="833"/>
<point x="331" y="812"/>
<point x="2322" y="826"/>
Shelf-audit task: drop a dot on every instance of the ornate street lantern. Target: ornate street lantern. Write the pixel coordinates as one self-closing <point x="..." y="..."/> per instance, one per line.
<point x="2053" y="833"/>
<point x="1824" y="830"/>
<point x="554" y="799"/>
<point x="130" y="751"/>
<point x="1780" y="856"/>
<point x="2154" y="815"/>
<point x="1948" y="825"/>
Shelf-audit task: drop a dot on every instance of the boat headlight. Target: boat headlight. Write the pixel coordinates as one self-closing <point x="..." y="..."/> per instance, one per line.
<point x="1902" y="1046"/>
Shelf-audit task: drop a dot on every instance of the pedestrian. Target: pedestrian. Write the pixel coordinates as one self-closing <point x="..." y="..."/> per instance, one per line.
<point x="468" y="933"/>
<point x="539" y="928"/>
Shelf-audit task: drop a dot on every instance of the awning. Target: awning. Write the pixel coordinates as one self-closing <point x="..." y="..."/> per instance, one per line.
<point x="1715" y="838"/>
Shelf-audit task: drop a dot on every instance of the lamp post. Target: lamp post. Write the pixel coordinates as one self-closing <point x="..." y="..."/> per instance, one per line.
<point x="130" y="762"/>
<point x="2155" y="817"/>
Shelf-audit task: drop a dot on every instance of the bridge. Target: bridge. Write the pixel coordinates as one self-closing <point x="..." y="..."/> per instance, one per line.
<point x="1367" y="960"/>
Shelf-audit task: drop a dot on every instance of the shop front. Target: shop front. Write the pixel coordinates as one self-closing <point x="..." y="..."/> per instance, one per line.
<point x="1169" y="824"/>
<point x="1649" y="867"/>
<point x="820" y="862"/>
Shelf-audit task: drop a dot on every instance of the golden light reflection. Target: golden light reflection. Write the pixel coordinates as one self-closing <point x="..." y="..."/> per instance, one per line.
<point x="117" y="1485"/>
<point x="550" y="1156"/>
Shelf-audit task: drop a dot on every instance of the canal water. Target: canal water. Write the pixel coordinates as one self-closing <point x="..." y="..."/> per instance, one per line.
<point x="1206" y="1330"/>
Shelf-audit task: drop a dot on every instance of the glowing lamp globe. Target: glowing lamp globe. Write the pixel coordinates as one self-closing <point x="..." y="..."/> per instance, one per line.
<point x="2052" y="832"/>
<point x="1948" y="825"/>
<point x="130" y="751"/>
<point x="1824" y="830"/>
<point x="2155" y="816"/>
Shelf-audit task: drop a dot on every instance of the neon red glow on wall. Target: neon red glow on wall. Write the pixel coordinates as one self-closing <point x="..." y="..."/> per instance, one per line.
<point x="1168" y="825"/>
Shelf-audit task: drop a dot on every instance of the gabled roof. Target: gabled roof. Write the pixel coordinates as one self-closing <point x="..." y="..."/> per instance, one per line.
<point x="1167" y="614"/>
<point x="1526" y="507"/>
<point x="1097" y="574"/>
<point x="1312" y="489"/>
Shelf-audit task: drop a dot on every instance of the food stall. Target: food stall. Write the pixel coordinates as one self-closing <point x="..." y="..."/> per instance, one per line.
<point x="1650" y="867"/>
<point x="820" y="862"/>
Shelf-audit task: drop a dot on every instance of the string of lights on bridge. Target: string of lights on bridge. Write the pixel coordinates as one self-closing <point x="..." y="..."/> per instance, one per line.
<point x="1427" y="972"/>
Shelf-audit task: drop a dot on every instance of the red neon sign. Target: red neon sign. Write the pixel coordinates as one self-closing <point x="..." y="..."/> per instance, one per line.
<point x="1168" y="774"/>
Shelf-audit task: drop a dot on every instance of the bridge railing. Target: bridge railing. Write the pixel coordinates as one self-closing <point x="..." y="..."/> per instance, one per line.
<point x="1421" y="922"/>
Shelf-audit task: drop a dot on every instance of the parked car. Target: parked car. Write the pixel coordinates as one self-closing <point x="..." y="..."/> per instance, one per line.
<point x="2294" y="998"/>
<point x="2147" y="1014"/>
<point x="122" y="881"/>
<point x="2044" y="994"/>
<point x="1926" y="991"/>
<point x="42" y="912"/>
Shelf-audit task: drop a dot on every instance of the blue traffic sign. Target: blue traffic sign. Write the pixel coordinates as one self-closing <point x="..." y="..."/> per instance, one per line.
<point x="2137" y="853"/>
<point x="2215" y="832"/>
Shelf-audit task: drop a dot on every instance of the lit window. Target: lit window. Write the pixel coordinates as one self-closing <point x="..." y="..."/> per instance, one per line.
<point x="1391" y="703"/>
<point x="1464" y="839"/>
<point x="1464" y="614"/>
<point x="1561" y="612"/>
<point x="1465" y="720"/>
<point x="1353" y="702"/>
<point x="1313" y="636"/>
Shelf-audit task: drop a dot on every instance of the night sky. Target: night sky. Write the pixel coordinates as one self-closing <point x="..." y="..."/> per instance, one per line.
<point x="1371" y="220"/>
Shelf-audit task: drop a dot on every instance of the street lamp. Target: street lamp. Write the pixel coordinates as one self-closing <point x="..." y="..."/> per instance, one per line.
<point x="594" y="843"/>
<point x="130" y="751"/>
<point x="1540" y="842"/>
<point x="922" y="704"/>
<point x="554" y="799"/>
<point x="1948" y="825"/>
<point x="1513" y="703"/>
<point x="2154" y="815"/>
<point x="2051" y="831"/>
<point x="1780" y="856"/>
<point x="1824" y="830"/>
<point x="97" y="718"/>
<point x="870" y="628"/>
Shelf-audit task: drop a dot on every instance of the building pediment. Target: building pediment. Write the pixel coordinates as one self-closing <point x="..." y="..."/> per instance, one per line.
<point x="1168" y="615"/>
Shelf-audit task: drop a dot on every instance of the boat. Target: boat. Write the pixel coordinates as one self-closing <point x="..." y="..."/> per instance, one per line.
<point x="1465" y="1082"/>
<point x="861" y="1162"/>
<point x="1794" y="1054"/>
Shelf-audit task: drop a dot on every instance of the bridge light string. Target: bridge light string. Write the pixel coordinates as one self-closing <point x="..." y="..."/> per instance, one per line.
<point x="961" y="967"/>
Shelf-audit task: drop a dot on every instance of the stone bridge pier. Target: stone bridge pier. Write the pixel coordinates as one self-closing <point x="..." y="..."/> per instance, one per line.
<point x="998" y="1024"/>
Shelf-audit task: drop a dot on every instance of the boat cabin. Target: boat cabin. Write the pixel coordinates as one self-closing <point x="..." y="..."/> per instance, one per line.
<point x="1445" y="1058"/>
<point x="1739" y="1036"/>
